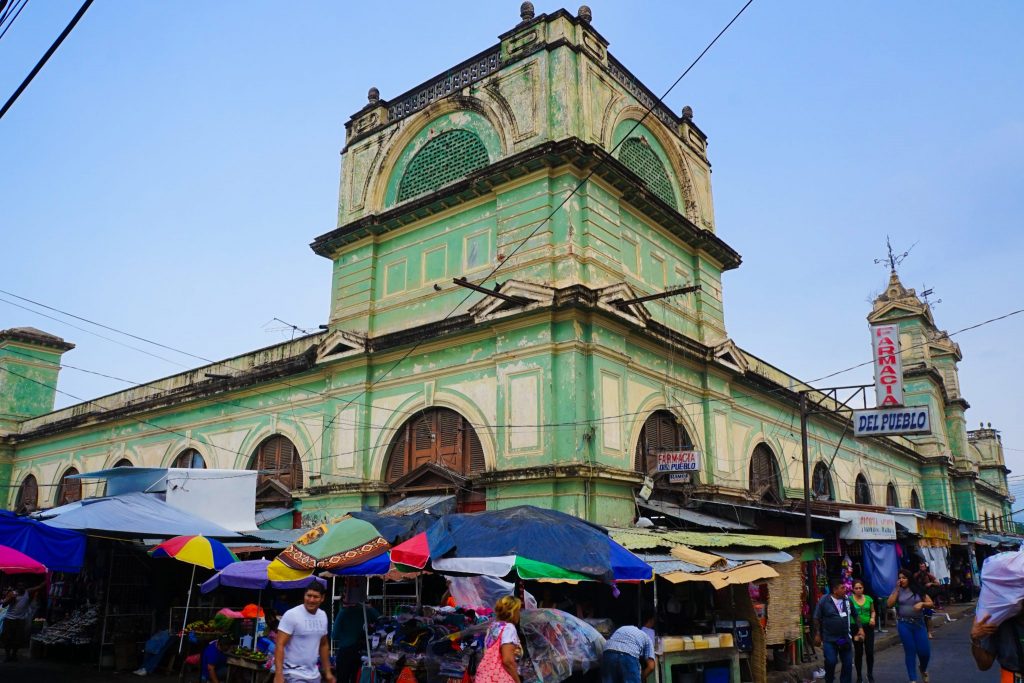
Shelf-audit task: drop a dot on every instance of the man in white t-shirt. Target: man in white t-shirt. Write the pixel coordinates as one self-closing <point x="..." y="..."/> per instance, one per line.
<point x="301" y="638"/>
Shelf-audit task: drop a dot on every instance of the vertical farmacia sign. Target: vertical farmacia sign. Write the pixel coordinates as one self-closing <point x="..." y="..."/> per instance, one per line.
<point x="885" y="342"/>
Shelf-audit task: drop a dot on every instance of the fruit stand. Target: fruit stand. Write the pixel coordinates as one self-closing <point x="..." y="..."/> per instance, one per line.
<point x="247" y="666"/>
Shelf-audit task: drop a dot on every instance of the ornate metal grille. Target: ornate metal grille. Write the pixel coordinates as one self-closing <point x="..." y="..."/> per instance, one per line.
<point x="861" y="491"/>
<point x="447" y="158"/>
<point x="638" y="157"/>
<point x="456" y="79"/>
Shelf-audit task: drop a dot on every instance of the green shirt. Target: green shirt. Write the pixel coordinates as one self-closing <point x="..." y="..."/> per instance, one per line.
<point x="863" y="611"/>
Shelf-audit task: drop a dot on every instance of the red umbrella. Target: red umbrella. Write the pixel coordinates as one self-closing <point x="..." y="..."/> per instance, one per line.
<point x="16" y="562"/>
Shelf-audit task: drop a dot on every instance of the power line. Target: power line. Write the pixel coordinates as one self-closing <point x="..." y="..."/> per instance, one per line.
<point x="12" y="13"/>
<point x="45" y="58"/>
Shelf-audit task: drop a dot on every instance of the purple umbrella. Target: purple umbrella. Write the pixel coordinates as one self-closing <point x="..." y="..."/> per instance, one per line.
<point x="252" y="574"/>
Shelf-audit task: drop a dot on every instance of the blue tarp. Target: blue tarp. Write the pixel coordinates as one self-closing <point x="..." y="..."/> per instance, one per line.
<point x="133" y="515"/>
<point x="58" y="549"/>
<point x="880" y="566"/>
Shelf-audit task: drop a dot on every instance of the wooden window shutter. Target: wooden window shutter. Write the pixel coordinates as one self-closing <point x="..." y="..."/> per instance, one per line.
<point x="892" y="498"/>
<point x="278" y="459"/>
<point x="477" y="463"/>
<point x="399" y="455"/>
<point x="70" y="489"/>
<point x="450" y="439"/>
<point x="764" y="477"/>
<point x="28" y="495"/>
<point x="660" y="433"/>
<point x="423" y="437"/>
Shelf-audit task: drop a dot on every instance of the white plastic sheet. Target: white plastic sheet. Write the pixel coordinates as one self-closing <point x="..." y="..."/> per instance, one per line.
<point x="1002" y="587"/>
<point x="483" y="591"/>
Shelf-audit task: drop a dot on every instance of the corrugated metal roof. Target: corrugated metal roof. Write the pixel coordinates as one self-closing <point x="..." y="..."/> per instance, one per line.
<point x="439" y="505"/>
<point x="692" y="516"/>
<point x="649" y="539"/>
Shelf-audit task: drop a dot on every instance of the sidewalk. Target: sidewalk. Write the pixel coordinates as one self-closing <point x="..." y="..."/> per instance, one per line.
<point x="883" y="641"/>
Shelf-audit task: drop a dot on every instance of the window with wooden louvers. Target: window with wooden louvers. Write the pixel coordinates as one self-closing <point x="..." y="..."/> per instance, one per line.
<point x="892" y="498"/>
<point x="69" y="490"/>
<point x="861" y="491"/>
<point x="278" y="460"/>
<point x="28" y="495"/>
<point x="440" y="436"/>
<point x="661" y="432"/>
<point x="764" y="475"/>
<point x="190" y="459"/>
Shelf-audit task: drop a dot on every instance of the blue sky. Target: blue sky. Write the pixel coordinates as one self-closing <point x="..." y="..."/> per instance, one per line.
<point x="166" y="171"/>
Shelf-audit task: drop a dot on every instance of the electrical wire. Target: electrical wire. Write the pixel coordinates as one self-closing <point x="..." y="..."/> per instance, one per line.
<point x="13" y="14"/>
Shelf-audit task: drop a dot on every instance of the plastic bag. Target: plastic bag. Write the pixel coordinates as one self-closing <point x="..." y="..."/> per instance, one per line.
<point x="482" y="591"/>
<point x="1002" y="587"/>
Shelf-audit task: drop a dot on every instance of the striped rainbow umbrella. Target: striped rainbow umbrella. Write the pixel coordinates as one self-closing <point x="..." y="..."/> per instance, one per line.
<point x="198" y="551"/>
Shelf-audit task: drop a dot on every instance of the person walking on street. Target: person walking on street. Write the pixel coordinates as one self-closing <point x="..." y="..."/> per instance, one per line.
<point x="301" y="637"/>
<point x="926" y="580"/>
<point x="864" y="642"/>
<point x="19" y="617"/>
<point x="502" y="647"/>
<point x="628" y="656"/>
<point x="910" y="601"/>
<point x="834" y="630"/>
<point x="1002" y="643"/>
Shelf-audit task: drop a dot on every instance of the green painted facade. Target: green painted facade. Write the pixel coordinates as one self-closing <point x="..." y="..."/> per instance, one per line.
<point x="534" y="169"/>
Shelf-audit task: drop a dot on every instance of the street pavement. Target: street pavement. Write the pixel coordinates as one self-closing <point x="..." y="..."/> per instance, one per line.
<point x="951" y="658"/>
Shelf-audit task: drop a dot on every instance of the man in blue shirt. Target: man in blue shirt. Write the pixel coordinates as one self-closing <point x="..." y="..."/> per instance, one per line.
<point x="213" y="664"/>
<point x="628" y="656"/>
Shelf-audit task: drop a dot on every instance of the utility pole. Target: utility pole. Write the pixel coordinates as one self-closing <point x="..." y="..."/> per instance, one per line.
<point x="806" y="464"/>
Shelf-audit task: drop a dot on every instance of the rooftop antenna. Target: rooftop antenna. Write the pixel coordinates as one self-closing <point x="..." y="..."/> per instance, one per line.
<point x="927" y="292"/>
<point x="892" y="259"/>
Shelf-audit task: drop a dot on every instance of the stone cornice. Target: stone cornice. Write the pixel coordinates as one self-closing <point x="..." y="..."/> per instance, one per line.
<point x="33" y="337"/>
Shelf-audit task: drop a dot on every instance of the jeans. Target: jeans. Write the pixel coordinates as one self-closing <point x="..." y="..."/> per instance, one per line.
<point x="865" y="648"/>
<point x="834" y="655"/>
<point x="916" y="647"/>
<point x="618" y="667"/>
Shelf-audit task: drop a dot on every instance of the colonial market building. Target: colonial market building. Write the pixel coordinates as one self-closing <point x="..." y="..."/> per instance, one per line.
<point x="555" y="372"/>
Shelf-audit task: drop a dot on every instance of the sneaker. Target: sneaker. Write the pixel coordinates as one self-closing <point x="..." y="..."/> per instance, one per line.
<point x="141" y="671"/>
<point x="924" y="677"/>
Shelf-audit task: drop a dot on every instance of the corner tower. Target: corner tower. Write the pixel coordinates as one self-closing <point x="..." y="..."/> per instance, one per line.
<point x="458" y="176"/>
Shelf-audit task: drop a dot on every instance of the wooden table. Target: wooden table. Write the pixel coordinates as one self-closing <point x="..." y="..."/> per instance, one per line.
<point x="720" y="654"/>
<point x="241" y="670"/>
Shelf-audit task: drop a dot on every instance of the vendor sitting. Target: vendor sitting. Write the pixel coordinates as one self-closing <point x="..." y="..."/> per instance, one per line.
<point x="213" y="665"/>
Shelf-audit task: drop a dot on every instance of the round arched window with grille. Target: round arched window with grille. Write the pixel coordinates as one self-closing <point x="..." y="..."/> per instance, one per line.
<point x="892" y="496"/>
<point x="861" y="491"/>
<point x="661" y="432"/>
<point x="765" y="479"/>
<point x="821" y="483"/>
<point x="915" y="500"/>
<point x="437" y="435"/>
<point x="28" y="495"/>
<point x="189" y="459"/>
<point x="277" y="459"/>
<point x="68" y="490"/>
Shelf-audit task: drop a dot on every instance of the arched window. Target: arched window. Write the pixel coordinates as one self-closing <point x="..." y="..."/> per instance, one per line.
<point x="986" y="521"/>
<point x="28" y="496"/>
<point x="437" y="435"/>
<point x="821" y="483"/>
<point x="449" y="157"/>
<point x="123" y="462"/>
<point x="915" y="501"/>
<point x="765" y="480"/>
<point x="68" y="490"/>
<point x="892" y="497"/>
<point x="277" y="460"/>
<point x="661" y="432"/>
<point x="861" y="491"/>
<point x="636" y="155"/>
<point x="189" y="459"/>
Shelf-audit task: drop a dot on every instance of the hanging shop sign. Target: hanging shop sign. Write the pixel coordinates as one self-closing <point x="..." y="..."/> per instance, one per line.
<point x="679" y="461"/>
<point x="679" y="478"/>
<point x="867" y="526"/>
<point x="903" y="420"/>
<point x="885" y="343"/>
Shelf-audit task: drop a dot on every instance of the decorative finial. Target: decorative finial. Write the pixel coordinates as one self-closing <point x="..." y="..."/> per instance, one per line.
<point x="990" y="425"/>
<point x="893" y="260"/>
<point x="373" y="96"/>
<point x="585" y="14"/>
<point x="526" y="11"/>
<point x="687" y="113"/>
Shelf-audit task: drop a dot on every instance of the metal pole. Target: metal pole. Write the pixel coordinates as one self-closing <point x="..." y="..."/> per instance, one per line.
<point x="807" y="469"/>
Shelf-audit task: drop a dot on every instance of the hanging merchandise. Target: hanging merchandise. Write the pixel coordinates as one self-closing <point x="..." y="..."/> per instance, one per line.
<point x="846" y="573"/>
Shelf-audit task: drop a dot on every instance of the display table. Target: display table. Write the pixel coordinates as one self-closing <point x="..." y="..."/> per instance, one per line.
<point x="719" y="654"/>
<point x="242" y="670"/>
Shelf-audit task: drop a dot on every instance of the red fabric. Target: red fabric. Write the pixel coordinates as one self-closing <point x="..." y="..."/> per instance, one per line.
<point x="491" y="669"/>
<point x="415" y="552"/>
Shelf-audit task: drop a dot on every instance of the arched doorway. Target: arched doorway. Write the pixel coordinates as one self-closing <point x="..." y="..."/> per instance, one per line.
<point x="280" y="471"/>
<point x="437" y="451"/>
<point x="765" y="479"/>
<point x="861" y="491"/>
<point x="661" y="432"/>
<point x="28" y="496"/>
<point x="821" y="483"/>
<point x="68" y="490"/>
